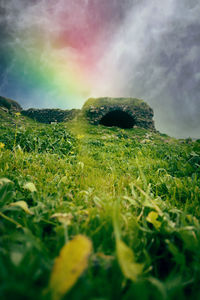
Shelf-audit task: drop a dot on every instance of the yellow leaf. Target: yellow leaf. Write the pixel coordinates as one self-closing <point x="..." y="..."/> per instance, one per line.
<point x="30" y="186"/>
<point x="152" y="218"/>
<point x="2" y="145"/>
<point x="80" y="136"/>
<point x="126" y="259"/>
<point x="69" y="265"/>
<point x="23" y="205"/>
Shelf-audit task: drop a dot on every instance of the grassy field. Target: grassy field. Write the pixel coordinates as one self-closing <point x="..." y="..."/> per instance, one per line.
<point x="133" y="193"/>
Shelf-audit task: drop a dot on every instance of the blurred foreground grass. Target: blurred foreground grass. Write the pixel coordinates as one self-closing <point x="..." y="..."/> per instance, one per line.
<point x="133" y="193"/>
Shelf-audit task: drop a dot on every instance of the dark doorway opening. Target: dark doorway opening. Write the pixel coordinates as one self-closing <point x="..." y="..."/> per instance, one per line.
<point x="118" y="118"/>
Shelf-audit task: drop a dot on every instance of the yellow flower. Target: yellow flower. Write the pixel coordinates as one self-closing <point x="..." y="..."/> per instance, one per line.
<point x="2" y="145"/>
<point x="17" y="114"/>
<point x="80" y="136"/>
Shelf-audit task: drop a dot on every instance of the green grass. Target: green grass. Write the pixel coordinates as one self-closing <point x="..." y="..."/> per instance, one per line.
<point x="97" y="102"/>
<point x="108" y="181"/>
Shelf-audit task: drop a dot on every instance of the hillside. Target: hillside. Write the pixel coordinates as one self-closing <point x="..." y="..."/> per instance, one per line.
<point x="134" y="193"/>
<point x="9" y="104"/>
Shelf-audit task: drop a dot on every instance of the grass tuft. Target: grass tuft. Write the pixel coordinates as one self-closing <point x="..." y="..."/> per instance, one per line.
<point x="134" y="193"/>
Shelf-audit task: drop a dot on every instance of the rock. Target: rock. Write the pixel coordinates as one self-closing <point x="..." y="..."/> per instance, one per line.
<point x="121" y="112"/>
<point x="131" y="112"/>
<point x="9" y="104"/>
<point x="50" y="116"/>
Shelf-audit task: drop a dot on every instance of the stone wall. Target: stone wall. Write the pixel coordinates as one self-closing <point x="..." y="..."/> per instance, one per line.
<point x="50" y="115"/>
<point x="95" y="109"/>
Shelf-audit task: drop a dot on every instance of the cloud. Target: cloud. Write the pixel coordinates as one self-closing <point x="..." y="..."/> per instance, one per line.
<point x="155" y="56"/>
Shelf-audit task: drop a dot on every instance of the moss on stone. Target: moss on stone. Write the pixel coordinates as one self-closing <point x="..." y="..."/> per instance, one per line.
<point x="95" y="109"/>
<point x="97" y="102"/>
<point x="50" y="115"/>
<point x="121" y="112"/>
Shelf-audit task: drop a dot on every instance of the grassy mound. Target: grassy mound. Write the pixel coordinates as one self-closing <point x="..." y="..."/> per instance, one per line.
<point x="9" y="104"/>
<point x="134" y="193"/>
<point x="113" y="101"/>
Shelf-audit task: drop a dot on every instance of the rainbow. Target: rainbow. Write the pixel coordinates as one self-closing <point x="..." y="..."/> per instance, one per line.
<point x="56" y="51"/>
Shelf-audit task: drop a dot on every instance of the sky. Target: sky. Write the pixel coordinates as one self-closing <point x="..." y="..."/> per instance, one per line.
<point x="56" y="54"/>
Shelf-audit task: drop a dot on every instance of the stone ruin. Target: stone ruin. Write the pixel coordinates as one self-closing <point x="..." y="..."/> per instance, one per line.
<point x="49" y="116"/>
<point x="120" y="112"/>
<point x="40" y="115"/>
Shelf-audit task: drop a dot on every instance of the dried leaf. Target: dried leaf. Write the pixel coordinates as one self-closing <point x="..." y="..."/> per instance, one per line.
<point x="5" y="181"/>
<point x="152" y="218"/>
<point x="64" y="179"/>
<point x="16" y="258"/>
<point x="23" y="205"/>
<point x="81" y="164"/>
<point x="129" y="267"/>
<point x="63" y="218"/>
<point x="69" y="265"/>
<point x="30" y="186"/>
